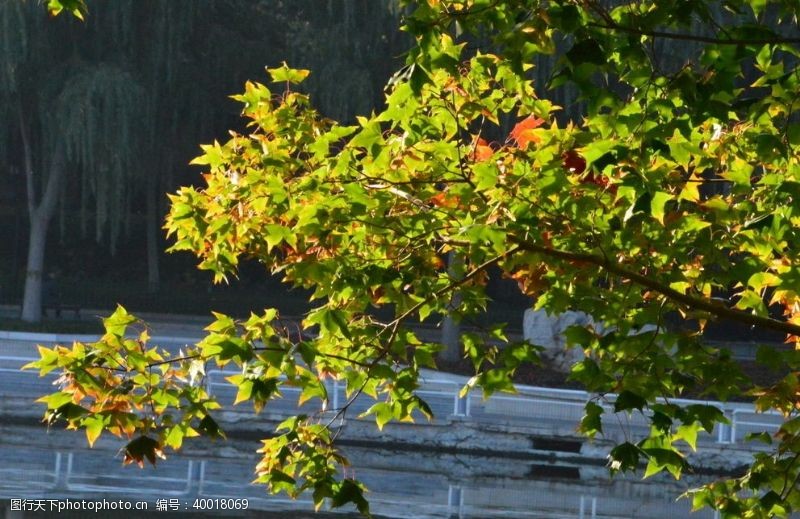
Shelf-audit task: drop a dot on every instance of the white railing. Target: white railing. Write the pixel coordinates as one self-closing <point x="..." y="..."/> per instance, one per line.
<point x="531" y="406"/>
<point x="443" y="394"/>
<point x="91" y="479"/>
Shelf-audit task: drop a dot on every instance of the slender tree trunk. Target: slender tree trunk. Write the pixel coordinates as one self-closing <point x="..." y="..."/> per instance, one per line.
<point x="451" y="329"/>
<point x="152" y="231"/>
<point x="34" y="273"/>
<point x="37" y="238"/>
<point x="13" y="514"/>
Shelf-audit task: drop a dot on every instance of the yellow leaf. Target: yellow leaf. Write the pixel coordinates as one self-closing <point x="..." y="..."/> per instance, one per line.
<point x="93" y="431"/>
<point x="690" y="190"/>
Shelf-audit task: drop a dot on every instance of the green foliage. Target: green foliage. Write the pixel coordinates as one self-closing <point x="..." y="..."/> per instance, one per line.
<point x="76" y="8"/>
<point x="96" y="116"/>
<point x="123" y="386"/>
<point x="675" y="192"/>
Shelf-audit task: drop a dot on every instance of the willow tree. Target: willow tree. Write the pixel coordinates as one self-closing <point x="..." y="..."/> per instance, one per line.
<point x="89" y="128"/>
<point x="86" y="100"/>
<point x="167" y="48"/>
<point x="69" y="116"/>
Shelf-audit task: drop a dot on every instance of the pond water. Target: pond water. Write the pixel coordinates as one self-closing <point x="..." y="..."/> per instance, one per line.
<point x="39" y="466"/>
<point x="416" y="481"/>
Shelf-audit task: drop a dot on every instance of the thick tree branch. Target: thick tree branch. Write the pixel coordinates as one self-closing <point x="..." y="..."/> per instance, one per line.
<point x="694" y="37"/>
<point x="689" y="301"/>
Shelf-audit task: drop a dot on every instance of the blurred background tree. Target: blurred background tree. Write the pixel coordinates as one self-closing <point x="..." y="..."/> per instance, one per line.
<point x="102" y="115"/>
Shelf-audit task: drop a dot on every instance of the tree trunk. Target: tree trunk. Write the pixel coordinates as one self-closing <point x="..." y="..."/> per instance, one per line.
<point x="13" y="514"/>
<point x="451" y="329"/>
<point x="37" y="238"/>
<point x="152" y="231"/>
<point x="34" y="273"/>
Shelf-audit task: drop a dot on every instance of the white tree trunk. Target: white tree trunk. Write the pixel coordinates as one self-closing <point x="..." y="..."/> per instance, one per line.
<point x="13" y="514"/>
<point x="34" y="272"/>
<point x="37" y="238"/>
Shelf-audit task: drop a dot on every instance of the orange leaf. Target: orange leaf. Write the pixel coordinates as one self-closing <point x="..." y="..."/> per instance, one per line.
<point x="530" y="280"/>
<point x="444" y="200"/>
<point x="523" y="133"/>
<point x="481" y="150"/>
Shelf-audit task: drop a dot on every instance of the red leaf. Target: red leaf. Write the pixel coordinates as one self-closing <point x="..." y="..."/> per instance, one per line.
<point x="523" y="131"/>
<point x="574" y="163"/>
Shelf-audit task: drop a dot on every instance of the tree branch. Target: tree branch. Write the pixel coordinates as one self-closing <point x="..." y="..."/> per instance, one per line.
<point x="457" y="283"/>
<point x="694" y="37"/>
<point x="610" y="24"/>
<point x="693" y="302"/>
<point x="394" y="326"/>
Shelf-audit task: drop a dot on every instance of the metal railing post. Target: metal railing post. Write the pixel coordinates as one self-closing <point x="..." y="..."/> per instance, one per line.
<point x="190" y="488"/>
<point x="69" y="471"/>
<point x="201" y="478"/>
<point x="207" y="383"/>
<point x="335" y="399"/>
<point x="461" y="404"/>
<point x="727" y="433"/>
<point x="455" y="501"/>
<point x="582" y="509"/>
<point x="58" y="479"/>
